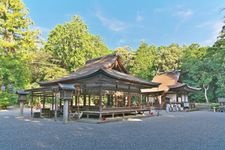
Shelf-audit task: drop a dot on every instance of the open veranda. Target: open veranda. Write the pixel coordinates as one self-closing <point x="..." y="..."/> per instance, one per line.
<point x="175" y="130"/>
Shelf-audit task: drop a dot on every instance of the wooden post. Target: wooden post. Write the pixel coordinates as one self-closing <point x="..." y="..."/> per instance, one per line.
<point x="129" y="97"/>
<point x="140" y="103"/>
<point x="89" y="100"/>
<point x="100" y="102"/>
<point x="112" y="100"/>
<point x="55" y="113"/>
<point x="52" y="102"/>
<point x="85" y="99"/>
<point x="76" y="100"/>
<point x="43" y="101"/>
<point x="31" y="105"/>
<point x="60" y="104"/>
<point x="115" y="104"/>
<point x="71" y="103"/>
<point x="108" y="100"/>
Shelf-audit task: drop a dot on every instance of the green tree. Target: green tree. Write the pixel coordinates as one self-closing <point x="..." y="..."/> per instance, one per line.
<point x="144" y="62"/>
<point x="198" y="71"/>
<point x="127" y="55"/>
<point x="44" y="66"/>
<point x="17" y="40"/>
<point x="72" y="44"/>
<point x="15" y="33"/>
<point x="168" y="58"/>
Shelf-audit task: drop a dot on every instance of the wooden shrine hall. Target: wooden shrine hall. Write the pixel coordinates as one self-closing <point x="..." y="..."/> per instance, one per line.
<point x="102" y="88"/>
<point x="171" y="90"/>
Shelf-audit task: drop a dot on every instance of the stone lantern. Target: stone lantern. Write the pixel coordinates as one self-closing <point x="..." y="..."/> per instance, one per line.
<point x="21" y="99"/>
<point x="66" y="94"/>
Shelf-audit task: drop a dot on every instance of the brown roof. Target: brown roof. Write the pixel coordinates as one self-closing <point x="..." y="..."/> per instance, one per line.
<point x="170" y="81"/>
<point x="109" y="65"/>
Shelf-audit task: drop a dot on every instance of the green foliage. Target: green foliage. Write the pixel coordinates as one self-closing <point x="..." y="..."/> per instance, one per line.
<point x="14" y="71"/>
<point x="44" y="67"/>
<point x="144" y="62"/>
<point x="214" y="106"/>
<point x="127" y="56"/>
<point x="14" y="28"/>
<point x="72" y="44"/>
<point x="168" y="58"/>
<point x="7" y="99"/>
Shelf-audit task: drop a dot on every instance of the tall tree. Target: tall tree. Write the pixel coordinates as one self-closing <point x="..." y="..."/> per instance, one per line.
<point x="14" y="28"/>
<point x="168" y="58"/>
<point x="72" y="44"/>
<point x="144" y="62"/>
<point x="198" y="71"/>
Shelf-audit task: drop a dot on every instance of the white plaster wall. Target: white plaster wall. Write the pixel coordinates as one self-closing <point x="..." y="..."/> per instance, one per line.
<point x="173" y="97"/>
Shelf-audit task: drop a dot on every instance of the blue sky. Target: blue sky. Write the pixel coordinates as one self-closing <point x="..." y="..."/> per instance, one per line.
<point x="128" y="22"/>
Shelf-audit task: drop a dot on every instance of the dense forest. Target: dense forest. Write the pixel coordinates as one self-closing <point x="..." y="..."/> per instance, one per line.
<point x="25" y="59"/>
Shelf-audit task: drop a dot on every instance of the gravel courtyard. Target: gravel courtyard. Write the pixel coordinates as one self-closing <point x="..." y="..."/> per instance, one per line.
<point x="171" y="131"/>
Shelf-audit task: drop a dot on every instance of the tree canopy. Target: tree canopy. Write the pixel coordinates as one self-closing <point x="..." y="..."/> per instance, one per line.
<point x="72" y="44"/>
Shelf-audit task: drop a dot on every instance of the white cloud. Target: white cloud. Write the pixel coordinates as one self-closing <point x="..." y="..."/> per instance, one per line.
<point x="184" y="13"/>
<point x="111" y="23"/>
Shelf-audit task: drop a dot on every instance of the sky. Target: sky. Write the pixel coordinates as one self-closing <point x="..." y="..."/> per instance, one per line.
<point x="129" y="22"/>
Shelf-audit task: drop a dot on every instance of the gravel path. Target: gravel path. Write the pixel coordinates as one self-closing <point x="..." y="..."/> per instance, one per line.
<point x="171" y="131"/>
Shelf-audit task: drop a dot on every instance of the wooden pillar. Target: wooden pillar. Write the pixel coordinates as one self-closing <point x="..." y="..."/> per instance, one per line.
<point x="115" y="100"/>
<point x="43" y="101"/>
<point x="31" y="105"/>
<point x="52" y="102"/>
<point x="129" y="97"/>
<point x="85" y="99"/>
<point x="89" y="100"/>
<point x="108" y="100"/>
<point x="140" y="102"/>
<point x="71" y="103"/>
<point x="111" y="100"/>
<point x="115" y="104"/>
<point x="100" y="102"/>
<point x="76" y="97"/>
<point x="60" y="104"/>
<point x="55" y="102"/>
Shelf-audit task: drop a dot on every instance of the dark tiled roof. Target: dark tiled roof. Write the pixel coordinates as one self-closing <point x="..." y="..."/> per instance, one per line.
<point x="106" y="65"/>
<point x="22" y="92"/>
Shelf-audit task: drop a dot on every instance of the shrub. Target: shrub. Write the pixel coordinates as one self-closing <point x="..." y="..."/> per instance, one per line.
<point x="7" y="99"/>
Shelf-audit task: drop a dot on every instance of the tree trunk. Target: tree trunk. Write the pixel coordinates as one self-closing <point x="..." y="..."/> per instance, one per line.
<point x="206" y="87"/>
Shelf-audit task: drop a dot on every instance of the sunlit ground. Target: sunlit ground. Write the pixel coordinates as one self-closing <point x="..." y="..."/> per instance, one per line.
<point x="169" y="131"/>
